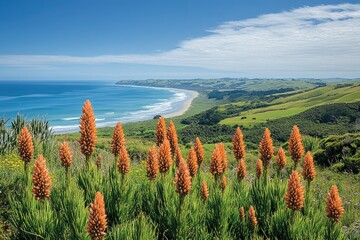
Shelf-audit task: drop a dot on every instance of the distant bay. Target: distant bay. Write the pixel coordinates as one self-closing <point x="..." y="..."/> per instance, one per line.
<point x="61" y="102"/>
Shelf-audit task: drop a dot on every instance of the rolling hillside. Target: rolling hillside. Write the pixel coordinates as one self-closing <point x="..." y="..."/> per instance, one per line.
<point x="294" y="104"/>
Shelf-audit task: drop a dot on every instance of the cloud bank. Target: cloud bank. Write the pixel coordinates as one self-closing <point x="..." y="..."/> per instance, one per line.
<point x="320" y="41"/>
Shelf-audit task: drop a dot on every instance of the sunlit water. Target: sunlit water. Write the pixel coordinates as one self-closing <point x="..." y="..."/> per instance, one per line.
<point x="61" y="102"/>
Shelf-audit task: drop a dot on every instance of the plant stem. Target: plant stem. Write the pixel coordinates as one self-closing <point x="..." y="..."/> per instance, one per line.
<point x="26" y="170"/>
<point x="181" y="198"/>
<point x="67" y="175"/>
<point x="115" y="161"/>
<point x="295" y="165"/>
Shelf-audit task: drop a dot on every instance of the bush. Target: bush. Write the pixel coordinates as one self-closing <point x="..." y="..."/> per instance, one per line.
<point x="343" y="149"/>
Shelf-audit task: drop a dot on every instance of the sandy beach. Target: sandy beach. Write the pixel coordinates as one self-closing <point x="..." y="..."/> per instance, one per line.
<point x="185" y="105"/>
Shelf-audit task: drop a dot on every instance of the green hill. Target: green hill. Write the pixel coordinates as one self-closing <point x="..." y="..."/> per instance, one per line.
<point x="320" y="121"/>
<point x="294" y="104"/>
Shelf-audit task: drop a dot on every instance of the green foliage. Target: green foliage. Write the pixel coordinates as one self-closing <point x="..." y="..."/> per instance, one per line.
<point x="310" y="143"/>
<point x="343" y="149"/>
<point x="138" y="209"/>
<point x="33" y="219"/>
<point x="89" y="181"/>
<point x="207" y="134"/>
<point x="216" y="114"/>
<point x="267" y="197"/>
<point x="39" y="128"/>
<point x="68" y="202"/>
<point x="317" y="122"/>
<point x="139" y="228"/>
<point x="122" y="200"/>
<point x="241" y="95"/>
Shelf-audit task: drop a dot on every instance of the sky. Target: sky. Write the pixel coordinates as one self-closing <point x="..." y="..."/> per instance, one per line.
<point x="130" y="39"/>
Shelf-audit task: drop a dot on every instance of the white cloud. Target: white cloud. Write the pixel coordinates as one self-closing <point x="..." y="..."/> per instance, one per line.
<point x="320" y="41"/>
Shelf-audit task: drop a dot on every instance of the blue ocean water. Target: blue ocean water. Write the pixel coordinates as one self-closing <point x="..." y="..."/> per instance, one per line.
<point x="61" y="102"/>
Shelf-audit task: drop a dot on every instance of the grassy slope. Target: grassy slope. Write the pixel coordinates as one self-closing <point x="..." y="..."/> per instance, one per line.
<point x="288" y="106"/>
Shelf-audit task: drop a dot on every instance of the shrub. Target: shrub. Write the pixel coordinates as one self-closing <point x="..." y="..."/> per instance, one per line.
<point x="340" y="149"/>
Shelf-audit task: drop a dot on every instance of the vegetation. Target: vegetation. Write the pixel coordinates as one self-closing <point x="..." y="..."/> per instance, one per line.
<point x="320" y="122"/>
<point x="226" y="84"/>
<point x="154" y="199"/>
<point x="341" y="152"/>
<point x="294" y="104"/>
<point x="239" y="95"/>
<point x="39" y="128"/>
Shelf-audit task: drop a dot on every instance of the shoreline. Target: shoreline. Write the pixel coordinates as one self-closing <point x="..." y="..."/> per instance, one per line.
<point x="180" y="108"/>
<point x="185" y="105"/>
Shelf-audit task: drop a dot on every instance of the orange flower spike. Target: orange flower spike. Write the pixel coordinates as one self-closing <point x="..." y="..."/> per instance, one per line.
<point x="160" y="131"/>
<point x="242" y="213"/>
<point x="241" y="169"/>
<point x="117" y="140"/>
<point x="309" y="171"/>
<point x="294" y="196"/>
<point x="266" y="148"/>
<point x="296" y="147"/>
<point x="87" y="130"/>
<point x="204" y="191"/>
<point x="259" y="168"/>
<point x="224" y="159"/>
<point x="25" y="145"/>
<point x="65" y="155"/>
<point x="164" y="156"/>
<point x="199" y="151"/>
<point x="252" y="218"/>
<point x="41" y="180"/>
<point x="124" y="161"/>
<point x="172" y="137"/>
<point x="178" y="156"/>
<point x="192" y="162"/>
<point x="238" y="145"/>
<point x="152" y="164"/>
<point x="216" y="164"/>
<point x="281" y="158"/>
<point x="97" y="222"/>
<point x="183" y="179"/>
<point x="223" y="183"/>
<point x="334" y="208"/>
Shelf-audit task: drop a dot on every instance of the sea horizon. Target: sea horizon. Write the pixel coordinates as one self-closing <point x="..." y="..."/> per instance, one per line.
<point x="60" y="102"/>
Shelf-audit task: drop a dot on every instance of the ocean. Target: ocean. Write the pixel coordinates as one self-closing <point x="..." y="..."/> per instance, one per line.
<point x="61" y="102"/>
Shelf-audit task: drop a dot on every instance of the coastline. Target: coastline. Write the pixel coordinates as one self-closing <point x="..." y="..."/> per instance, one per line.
<point x="179" y="107"/>
<point x="184" y="106"/>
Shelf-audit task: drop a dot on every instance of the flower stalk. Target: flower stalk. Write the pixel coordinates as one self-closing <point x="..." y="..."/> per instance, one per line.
<point x="87" y="131"/>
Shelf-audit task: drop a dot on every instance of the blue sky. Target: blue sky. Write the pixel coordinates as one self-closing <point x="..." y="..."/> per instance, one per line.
<point x="111" y="40"/>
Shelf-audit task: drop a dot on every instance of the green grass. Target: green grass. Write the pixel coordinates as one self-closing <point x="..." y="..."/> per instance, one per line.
<point x="291" y="105"/>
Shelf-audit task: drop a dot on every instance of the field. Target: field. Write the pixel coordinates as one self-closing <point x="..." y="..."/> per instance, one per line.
<point x="291" y="105"/>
